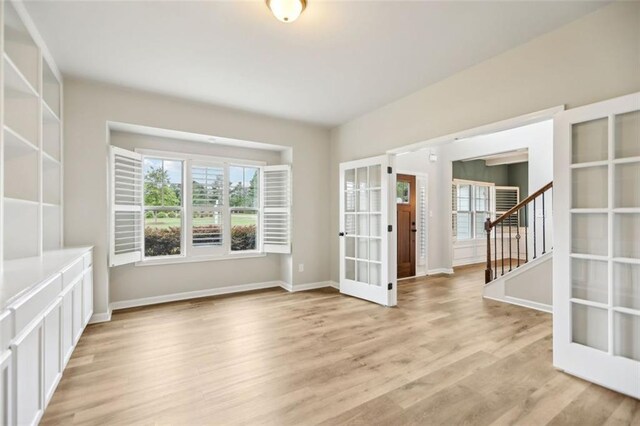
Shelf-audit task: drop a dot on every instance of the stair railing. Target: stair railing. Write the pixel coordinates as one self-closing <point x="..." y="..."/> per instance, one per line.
<point x="512" y="219"/>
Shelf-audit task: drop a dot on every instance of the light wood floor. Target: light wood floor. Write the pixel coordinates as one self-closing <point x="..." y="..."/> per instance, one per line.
<point x="443" y="356"/>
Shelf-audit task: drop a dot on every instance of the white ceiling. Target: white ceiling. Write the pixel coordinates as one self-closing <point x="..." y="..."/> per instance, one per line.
<point x="339" y="60"/>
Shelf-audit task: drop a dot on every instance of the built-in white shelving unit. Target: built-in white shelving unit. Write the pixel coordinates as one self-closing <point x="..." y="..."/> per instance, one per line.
<point x="30" y="141"/>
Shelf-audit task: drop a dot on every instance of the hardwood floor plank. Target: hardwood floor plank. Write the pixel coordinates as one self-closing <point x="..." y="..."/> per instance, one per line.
<point x="443" y="356"/>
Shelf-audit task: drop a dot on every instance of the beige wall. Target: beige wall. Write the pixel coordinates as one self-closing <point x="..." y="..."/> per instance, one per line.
<point x="129" y="282"/>
<point x="594" y="58"/>
<point x="88" y="108"/>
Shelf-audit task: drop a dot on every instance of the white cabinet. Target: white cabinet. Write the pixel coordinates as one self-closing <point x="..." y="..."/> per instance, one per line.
<point x="6" y="401"/>
<point x="87" y="296"/>
<point x="77" y="311"/>
<point x="40" y="325"/>
<point x="28" y="350"/>
<point x="67" y="324"/>
<point x="52" y="348"/>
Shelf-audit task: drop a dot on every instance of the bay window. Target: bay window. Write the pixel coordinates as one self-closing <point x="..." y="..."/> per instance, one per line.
<point x="197" y="208"/>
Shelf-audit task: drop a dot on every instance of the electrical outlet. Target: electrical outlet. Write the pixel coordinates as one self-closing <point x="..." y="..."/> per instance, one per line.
<point x="300" y="267"/>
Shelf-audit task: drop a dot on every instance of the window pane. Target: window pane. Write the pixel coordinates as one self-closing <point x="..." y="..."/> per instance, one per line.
<point x="207" y="187"/>
<point x="482" y="198"/>
<point x="162" y="232"/>
<point x="402" y="192"/>
<point x="162" y="182"/>
<point x="244" y="185"/>
<point x="463" y="226"/>
<point x="481" y="218"/>
<point x="244" y="224"/>
<point x="207" y="228"/>
<point x="464" y="198"/>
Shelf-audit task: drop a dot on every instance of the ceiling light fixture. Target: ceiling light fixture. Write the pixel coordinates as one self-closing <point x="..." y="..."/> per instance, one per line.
<point x="286" y="10"/>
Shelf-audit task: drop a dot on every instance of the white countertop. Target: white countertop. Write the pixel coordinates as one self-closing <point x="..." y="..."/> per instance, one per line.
<point x="20" y="276"/>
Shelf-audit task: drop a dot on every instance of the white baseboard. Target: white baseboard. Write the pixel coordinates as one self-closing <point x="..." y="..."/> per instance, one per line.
<point x="307" y="286"/>
<point x="440" y="271"/>
<point x="123" y="304"/>
<point x="334" y="285"/>
<point x="100" y="317"/>
<point x="525" y="303"/>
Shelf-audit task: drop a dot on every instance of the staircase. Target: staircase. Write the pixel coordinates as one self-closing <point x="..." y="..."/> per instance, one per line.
<point x="519" y="268"/>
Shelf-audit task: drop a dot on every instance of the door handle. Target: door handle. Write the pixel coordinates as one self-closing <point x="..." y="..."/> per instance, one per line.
<point x="341" y="234"/>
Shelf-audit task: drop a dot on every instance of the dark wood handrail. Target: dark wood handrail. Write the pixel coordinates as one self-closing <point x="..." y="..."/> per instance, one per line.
<point x="518" y="206"/>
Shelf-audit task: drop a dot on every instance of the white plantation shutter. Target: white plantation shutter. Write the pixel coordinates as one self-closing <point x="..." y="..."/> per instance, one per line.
<point x="506" y="197"/>
<point x="126" y="206"/>
<point x="276" y="217"/>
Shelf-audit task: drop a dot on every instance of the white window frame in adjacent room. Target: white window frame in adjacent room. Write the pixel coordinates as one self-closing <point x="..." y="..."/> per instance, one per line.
<point x="472" y="206"/>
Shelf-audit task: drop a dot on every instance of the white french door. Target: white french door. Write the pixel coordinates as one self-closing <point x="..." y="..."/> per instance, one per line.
<point x="596" y="296"/>
<point x="367" y="264"/>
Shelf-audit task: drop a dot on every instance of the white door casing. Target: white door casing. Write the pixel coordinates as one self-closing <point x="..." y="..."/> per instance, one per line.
<point x="367" y="243"/>
<point x="596" y="277"/>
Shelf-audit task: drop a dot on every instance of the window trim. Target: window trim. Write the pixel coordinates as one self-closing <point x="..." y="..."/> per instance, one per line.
<point x="189" y="253"/>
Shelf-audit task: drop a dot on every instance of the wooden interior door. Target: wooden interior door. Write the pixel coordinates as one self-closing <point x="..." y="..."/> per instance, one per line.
<point x="406" y="213"/>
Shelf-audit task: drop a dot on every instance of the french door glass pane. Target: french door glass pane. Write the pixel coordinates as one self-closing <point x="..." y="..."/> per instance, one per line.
<point x="589" y="326"/>
<point x="627" y="178"/>
<point x="627" y="129"/>
<point x="363" y="225"/>
<point x="375" y="225"/>
<point x="590" y="141"/>
<point x="589" y="233"/>
<point x="350" y="224"/>
<point x="375" y="249"/>
<point x="626" y="236"/>
<point x="363" y="271"/>
<point x="626" y="285"/>
<point x="589" y="187"/>
<point x="589" y="280"/>
<point x="350" y="269"/>
<point x="626" y="335"/>
<point x="375" y="176"/>
<point x="363" y="201"/>
<point x="350" y="246"/>
<point x="374" y="274"/>
<point x="376" y="201"/>
<point x="362" y="180"/>
<point x="350" y="180"/>
<point x="363" y="248"/>
<point x="350" y="201"/>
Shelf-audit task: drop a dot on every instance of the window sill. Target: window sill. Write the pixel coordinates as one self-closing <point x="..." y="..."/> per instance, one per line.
<point x="194" y="259"/>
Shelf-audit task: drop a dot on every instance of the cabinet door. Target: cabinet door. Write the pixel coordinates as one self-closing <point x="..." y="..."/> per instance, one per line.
<point x="87" y="296"/>
<point x="28" y="351"/>
<point x="52" y="348"/>
<point x="67" y="324"/>
<point x="6" y="388"/>
<point x="77" y="311"/>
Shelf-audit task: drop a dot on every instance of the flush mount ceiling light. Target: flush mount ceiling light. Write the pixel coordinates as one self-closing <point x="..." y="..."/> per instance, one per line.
<point x="286" y="10"/>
